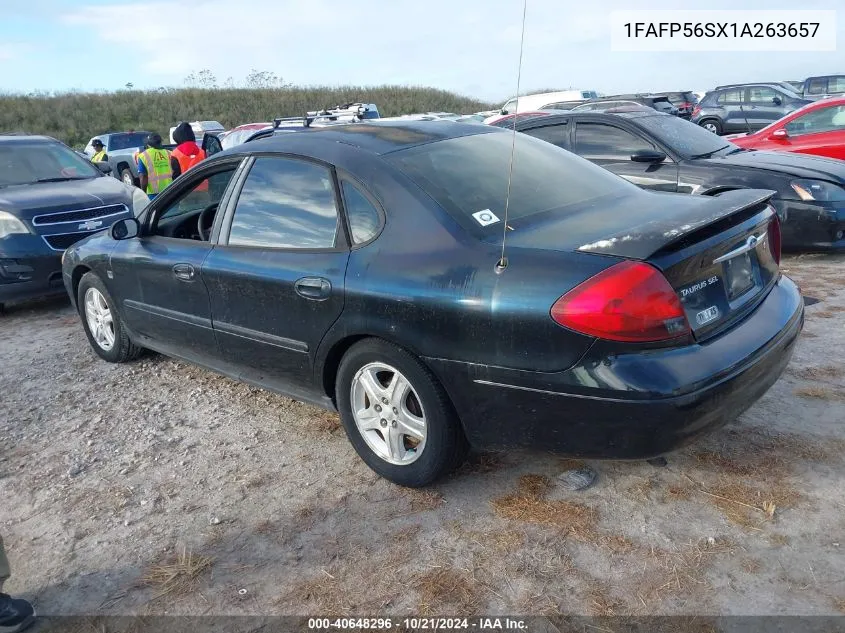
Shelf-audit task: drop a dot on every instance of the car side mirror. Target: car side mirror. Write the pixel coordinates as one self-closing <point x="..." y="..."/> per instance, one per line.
<point x="780" y="134"/>
<point x="648" y="156"/>
<point x="125" y="229"/>
<point x="777" y="101"/>
<point x="504" y="111"/>
<point x="103" y="167"/>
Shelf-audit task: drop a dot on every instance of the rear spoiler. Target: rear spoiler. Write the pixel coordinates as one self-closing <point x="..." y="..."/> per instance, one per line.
<point x="643" y="241"/>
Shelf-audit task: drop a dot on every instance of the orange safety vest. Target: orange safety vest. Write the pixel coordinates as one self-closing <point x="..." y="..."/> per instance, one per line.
<point x="186" y="161"/>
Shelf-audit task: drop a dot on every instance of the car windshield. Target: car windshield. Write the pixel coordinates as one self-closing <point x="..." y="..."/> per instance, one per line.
<point x="236" y="137"/>
<point x="789" y="89"/>
<point x="33" y="162"/>
<point x="686" y="139"/>
<point x="468" y="177"/>
<point x="129" y="140"/>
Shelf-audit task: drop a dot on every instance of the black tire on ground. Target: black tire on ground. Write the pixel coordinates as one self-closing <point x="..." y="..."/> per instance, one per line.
<point x="713" y="125"/>
<point x="445" y="444"/>
<point x="126" y="177"/>
<point x="123" y="349"/>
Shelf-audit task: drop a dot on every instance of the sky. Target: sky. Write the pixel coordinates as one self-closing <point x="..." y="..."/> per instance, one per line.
<point x="467" y="46"/>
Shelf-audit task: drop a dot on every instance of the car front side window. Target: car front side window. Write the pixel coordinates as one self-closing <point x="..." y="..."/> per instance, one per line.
<point x="181" y="217"/>
<point x="823" y="120"/>
<point x="286" y="203"/>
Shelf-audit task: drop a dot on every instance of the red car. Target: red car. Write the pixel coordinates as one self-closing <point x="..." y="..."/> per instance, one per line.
<point x="817" y="128"/>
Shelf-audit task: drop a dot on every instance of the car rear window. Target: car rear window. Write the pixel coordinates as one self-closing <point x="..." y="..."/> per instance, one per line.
<point x="468" y="177"/>
<point x="130" y="140"/>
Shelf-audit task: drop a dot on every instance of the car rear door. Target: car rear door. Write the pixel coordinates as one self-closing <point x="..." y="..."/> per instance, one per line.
<point x="611" y="147"/>
<point x="276" y="277"/>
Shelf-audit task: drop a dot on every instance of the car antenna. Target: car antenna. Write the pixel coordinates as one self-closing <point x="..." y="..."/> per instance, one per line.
<point x="503" y="261"/>
<point x="745" y="116"/>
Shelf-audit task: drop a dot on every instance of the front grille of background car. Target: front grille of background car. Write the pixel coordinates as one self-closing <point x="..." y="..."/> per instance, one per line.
<point x="80" y="215"/>
<point x="63" y="241"/>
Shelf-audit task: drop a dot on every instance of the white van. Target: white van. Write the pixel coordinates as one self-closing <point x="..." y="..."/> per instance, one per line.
<point x="528" y="103"/>
<point x="200" y="128"/>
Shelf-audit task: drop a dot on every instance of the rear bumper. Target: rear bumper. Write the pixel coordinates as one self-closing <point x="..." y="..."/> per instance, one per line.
<point x="29" y="269"/>
<point x="806" y="226"/>
<point x="633" y="405"/>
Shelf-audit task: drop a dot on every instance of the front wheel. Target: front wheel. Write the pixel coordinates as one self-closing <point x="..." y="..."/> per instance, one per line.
<point x="397" y="415"/>
<point x="101" y="322"/>
<point x="712" y="125"/>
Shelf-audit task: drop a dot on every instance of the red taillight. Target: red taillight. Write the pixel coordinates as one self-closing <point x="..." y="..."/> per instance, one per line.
<point x="774" y="238"/>
<point x="630" y="301"/>
<point x="686" y="104"/>
<point x="696" y="110"/>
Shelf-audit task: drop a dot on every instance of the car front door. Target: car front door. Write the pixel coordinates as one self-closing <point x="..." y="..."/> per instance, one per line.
<point x="764" y="105"/>
<point x="276" y="279"/>
<point x="612" y="147"/>
<point x="820" y="132"/>
<point x="162" y="293"/>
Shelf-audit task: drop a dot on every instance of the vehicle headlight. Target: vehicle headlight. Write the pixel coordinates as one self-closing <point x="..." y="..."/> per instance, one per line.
<point x="818" y="190"/>
<point x="10" y="225"/>
<point x="140" y="201"/>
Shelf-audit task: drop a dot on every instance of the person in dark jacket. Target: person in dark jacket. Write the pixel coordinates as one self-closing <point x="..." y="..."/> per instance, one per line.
<point x="15" y="614"/>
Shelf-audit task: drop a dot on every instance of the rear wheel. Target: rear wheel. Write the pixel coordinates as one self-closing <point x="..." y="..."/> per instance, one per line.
<point x="126" y="177"/>
<point x="712" y="125"/>
<point x="101" y="322"/>
<point x="397" y="415"/>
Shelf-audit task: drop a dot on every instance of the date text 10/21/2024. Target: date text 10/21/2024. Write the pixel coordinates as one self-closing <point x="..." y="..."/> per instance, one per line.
<point x="418" y="624"/>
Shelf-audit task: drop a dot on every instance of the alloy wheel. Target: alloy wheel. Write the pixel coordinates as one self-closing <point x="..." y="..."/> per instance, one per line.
<point x="388" y="413"/>
<point x="99" y="318"/>
<point x="710" y="127"/>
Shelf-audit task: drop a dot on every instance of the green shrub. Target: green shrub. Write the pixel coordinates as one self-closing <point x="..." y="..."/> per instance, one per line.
<point x="75" y="117"/>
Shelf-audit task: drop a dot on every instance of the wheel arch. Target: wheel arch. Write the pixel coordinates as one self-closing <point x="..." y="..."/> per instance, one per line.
<point x="76" y="277"/>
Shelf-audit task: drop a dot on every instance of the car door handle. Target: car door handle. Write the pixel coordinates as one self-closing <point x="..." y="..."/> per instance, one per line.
<point x="183" y="272"/>
<point x="314" y="288"/>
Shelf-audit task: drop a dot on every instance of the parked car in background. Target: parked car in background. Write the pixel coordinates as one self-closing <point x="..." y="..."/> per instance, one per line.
<point x="122" y="148"/>
<point x="817" y="128"/>
<point x="659" y="103"/>
<point x="238" y="135"/>
<point x="378" y="242"/>
<point x="823" y="86"/>
<point x="684" y="100"/>
<point x="745" y="107"/>
<point x="545" y="100"/>
<point x="200" y="128"/>
<point x="50" y="197"/>
<point x="665" y="153"/>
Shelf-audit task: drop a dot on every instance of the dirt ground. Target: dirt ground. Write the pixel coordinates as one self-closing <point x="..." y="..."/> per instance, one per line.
<point x="155" y="487"/>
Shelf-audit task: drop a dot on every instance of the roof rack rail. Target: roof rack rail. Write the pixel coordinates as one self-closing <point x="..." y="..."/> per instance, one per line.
<point x="347" y="113"/>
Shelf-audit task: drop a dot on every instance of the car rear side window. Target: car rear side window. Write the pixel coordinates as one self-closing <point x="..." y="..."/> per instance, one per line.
<point x="817" y="86"/>
<point x="732" y="96"/>
<point x="468" y="177"/>
<point x="597" y="141"/>
<point x="364" y="218"/>
<point x="554" y="134"/>
<point x="285" y="203"/>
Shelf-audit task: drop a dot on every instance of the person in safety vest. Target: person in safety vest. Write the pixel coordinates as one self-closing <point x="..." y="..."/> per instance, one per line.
<point x="187" y="152"/>
<point x="154" y="169"/>
<point x="100" y="155"/>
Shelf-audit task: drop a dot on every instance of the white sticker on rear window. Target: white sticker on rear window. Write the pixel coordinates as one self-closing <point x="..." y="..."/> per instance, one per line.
<point x="485" y="217"/>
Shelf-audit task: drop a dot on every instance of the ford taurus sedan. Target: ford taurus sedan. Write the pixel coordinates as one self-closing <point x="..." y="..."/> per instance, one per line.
<point x="359" y="267"/>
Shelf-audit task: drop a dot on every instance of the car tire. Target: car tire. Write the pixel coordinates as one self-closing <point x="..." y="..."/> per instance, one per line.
<point x="406" y="461"/>
<point x="127" y="177"/>
<point x="712" y="125"/>
<point x="101" y="322"/>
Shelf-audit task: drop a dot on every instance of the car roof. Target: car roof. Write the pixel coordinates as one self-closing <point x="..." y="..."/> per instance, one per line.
<point x="377" y="137"/>
<point x="12" y="138"/>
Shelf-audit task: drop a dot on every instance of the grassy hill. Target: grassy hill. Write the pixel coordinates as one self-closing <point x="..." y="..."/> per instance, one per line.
<point x="76" y="117"/>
